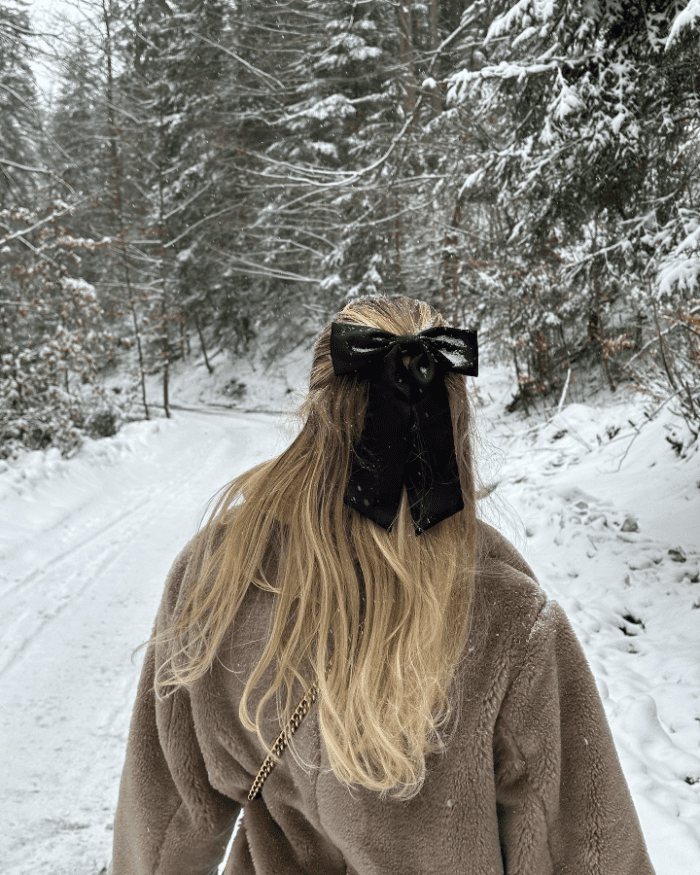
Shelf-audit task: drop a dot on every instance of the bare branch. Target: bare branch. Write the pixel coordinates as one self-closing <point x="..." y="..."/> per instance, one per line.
<point x="7" y="163"/>
<point x="261" y="73"/>
<point x="23" y="231"/>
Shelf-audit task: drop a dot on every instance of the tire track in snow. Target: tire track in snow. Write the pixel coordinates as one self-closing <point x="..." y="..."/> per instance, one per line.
<point x="59" y="584"/>
<point x="37" y="599"/>
<point x="37" y="572"/>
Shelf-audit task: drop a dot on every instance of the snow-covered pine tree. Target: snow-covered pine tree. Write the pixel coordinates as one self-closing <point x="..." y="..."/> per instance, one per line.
<point x="351" y="104"/>
<point x="365" y="148"/>
<point x="20" y="113"/>
<point x="590" y="113"/>
<point x="54" y="340"/>
<point x="146" y="34"/>
<point x="92" y="150"/>
<point x="197" y="70"/>
<point x="225" y="70"/>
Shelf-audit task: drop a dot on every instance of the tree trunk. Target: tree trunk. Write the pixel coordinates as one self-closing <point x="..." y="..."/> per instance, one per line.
<point x="665" y="360"/>
<point x="203" y="345"/>
<point x="165" y="352"/>
<point x="397" y="244"/>
<point x="184" y="338"/>
<point x="453" y="12"/>
<point x="450" y="261"/>
<point x="406" y="54"/>
<point x="435" y="95"/>
<point x="165" y="309"/>
<point x="139" y="349"/>
<point x="121" y="224"/>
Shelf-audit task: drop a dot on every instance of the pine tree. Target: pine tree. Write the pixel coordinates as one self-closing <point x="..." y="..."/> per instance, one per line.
<point x="589" y="113"/>
<point x="54" y="341"/>
<point x="20" y="116"/>
<point x="52" y="338"/>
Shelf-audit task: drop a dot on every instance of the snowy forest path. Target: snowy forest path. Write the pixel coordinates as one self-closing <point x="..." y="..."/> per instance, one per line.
<point x="81" y="578"/>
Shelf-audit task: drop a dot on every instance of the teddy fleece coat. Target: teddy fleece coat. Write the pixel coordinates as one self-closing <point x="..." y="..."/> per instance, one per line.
<point x="529" y="784"/>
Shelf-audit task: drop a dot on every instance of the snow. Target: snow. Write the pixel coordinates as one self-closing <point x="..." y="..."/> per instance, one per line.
<point x="324" y="148"/>
<point x="618" y="121"/>
<point x="472" y="180"/>
<point x="567" y="102"/>
<point x="594" y="496"/>
<point x="458" y="82"/>
<point x="677" y="273"/>
<point x="520" y="15"/>
<point x="333" y="106"/>
<point x="524" y="36"/>
<point x="687" y="17"/>
<point x="680" y="267"/>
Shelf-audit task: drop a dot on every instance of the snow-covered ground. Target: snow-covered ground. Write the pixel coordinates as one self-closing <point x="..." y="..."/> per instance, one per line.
<point x="595" y="498"/>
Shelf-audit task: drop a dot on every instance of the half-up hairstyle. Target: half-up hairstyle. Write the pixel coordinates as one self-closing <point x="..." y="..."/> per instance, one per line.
<point x="378" y="619"/>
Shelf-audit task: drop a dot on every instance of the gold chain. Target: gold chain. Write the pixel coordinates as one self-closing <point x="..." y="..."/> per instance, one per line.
<point x="282" y="740"/>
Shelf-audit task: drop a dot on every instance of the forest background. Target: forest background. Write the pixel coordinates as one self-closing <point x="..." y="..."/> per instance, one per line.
<point x="225" y="174"/>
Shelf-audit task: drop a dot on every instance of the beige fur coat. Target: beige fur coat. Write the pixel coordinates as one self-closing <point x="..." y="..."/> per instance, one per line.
<point x="529" y="784"/>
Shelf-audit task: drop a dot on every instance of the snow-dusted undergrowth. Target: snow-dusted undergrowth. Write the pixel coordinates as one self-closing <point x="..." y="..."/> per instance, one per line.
<point x="595" y="497"/>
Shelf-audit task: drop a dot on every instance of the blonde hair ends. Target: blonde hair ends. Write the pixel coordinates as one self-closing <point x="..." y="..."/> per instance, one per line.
<point x="380" y="619"/>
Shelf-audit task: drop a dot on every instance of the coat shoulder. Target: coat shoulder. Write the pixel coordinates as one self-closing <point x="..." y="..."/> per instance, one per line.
<point x="506" y="587"/>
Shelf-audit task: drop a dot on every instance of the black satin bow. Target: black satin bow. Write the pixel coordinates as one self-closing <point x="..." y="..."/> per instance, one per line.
<point x="407" y="438"/>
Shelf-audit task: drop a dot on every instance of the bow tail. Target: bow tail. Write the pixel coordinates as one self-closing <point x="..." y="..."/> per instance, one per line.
<point x="378" y="464"/>
<point x="431" y="473"/>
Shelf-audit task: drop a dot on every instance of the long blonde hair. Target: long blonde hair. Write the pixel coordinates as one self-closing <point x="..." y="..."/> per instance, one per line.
<point x="379" y="619"/>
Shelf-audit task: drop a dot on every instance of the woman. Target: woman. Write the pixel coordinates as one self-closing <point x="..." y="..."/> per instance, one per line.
<point x="447" y="719"/>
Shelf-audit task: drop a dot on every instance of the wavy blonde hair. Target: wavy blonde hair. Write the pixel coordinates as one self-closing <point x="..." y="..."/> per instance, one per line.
<point x="379" y="619"/>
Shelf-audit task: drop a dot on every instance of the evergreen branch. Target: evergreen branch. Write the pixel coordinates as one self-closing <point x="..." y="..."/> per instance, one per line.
<point x="307" y="232"/>
<point x="572" y="269"/>
<point x="317" y="171"/>
<point x="351" y="176"/>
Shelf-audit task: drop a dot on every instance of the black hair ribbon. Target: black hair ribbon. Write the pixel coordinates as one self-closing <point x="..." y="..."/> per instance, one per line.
<point x="407" y="438"/>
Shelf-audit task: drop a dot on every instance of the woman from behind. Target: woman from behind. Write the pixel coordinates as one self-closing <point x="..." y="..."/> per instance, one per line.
<point x="444" y="719"/>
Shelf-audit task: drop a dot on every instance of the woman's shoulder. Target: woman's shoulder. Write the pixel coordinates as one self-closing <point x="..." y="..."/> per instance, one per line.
<point x="196" y="563"/>
<point x="494" y="548"/>
<point x="188" y="567"/>
<point x="507" y="593"/>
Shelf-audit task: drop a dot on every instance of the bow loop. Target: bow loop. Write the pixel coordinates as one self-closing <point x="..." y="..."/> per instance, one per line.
<point x="422" y="365"/>
<point x="407" y="438"/>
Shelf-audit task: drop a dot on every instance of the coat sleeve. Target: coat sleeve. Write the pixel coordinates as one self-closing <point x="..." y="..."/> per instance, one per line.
<point x="563" y="802"/>
<point x="169" y="819"/>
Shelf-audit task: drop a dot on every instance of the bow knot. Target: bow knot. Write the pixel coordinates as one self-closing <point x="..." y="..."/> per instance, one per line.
<point x="407" y="437"/>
